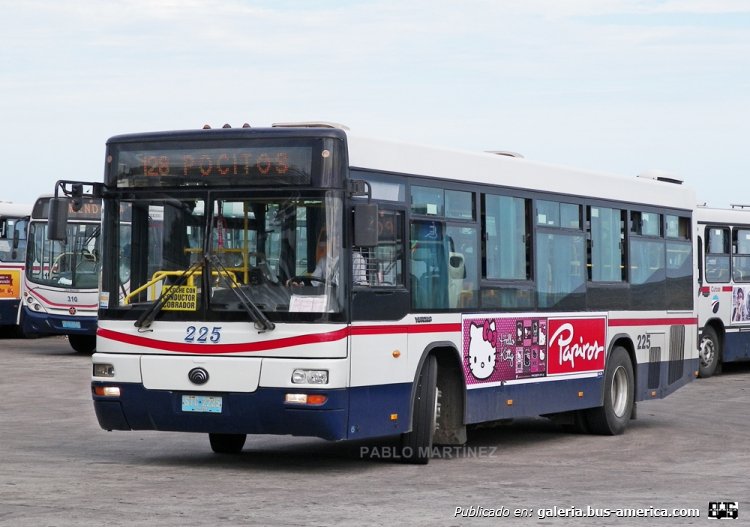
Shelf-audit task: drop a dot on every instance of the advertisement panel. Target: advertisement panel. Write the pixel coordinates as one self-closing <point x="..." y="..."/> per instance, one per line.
<point x="500" y="348"/>
<point x="10" y="284"/>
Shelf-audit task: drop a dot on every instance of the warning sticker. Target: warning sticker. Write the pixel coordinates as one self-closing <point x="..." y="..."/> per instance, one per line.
<point x="185" y="298"/>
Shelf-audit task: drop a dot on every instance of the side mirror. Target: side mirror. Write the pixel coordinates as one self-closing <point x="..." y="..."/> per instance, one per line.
<point x="57" y="227"/>
<point x="365" y="224"/>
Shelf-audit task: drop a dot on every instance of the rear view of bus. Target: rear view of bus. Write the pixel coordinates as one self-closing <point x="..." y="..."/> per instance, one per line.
<point x="62" y="275"/>
<point x="13" y="225"/>
<point x="299" y="280"/>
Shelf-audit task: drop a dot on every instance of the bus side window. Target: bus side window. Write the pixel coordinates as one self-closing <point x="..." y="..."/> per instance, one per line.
<point x="741" y="255"/>
<point x="429" y="265"/>
<point x="717" y="254"/>
<point x="383" y="264"/>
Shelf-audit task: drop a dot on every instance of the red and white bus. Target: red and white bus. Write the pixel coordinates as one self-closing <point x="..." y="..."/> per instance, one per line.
<point x="14" y="220"/>
<point x="311" y="282"/>
<point x="724" y="274"/>
<point x="61" y="283"/>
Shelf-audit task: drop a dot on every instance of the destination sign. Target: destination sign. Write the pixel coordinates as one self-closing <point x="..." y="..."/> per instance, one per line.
<point x="90" y="209"/>
<point x="289" y="165"/>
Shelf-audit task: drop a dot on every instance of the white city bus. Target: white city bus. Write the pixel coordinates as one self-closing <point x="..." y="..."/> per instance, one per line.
<point x="724" y="274"/>
<point x="61" y="284"/>
<point x="14" y="219"/>
<point x="493" y="287"/>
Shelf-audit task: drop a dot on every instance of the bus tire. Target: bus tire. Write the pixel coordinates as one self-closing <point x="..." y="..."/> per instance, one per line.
<point x="227" y="443"/>
<point x="709" y="352"/>
<point x="619" y="393"/>
<point x="83" y="343"/>
<point x="417" y="444"/>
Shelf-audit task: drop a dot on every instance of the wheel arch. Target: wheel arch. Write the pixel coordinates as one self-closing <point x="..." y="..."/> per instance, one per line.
<point x="718" y="326"/>
<point x="624" y="340"/>
<point x="449" y="363"/>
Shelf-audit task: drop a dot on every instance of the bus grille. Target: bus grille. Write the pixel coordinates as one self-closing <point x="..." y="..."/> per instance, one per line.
<point x="676" y="353"/>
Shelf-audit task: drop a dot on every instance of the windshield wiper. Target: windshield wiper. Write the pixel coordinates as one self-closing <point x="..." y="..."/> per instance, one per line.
<point x="148" y="316"/>
<point x="261" y="321"/>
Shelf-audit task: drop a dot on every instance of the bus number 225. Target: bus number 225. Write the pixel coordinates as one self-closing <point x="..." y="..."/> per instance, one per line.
<point x="203" y="334"/>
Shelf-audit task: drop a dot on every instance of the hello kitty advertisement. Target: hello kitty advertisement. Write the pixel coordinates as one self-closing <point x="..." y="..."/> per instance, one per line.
<point x="502" y="348"/>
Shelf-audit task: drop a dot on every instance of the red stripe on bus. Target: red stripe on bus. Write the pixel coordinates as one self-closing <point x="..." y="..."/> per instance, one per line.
<point x="408" y="328"/>
<point x="652" y="322"/>
<point x="241" y="347"/>
<point x="332" y="336"/>
<point x="248" y="347"/>
<point x="726" y="289"/>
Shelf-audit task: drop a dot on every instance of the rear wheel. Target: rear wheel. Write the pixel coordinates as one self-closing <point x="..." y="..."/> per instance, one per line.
<point x="227" y="443"/>
<point x="83" y="343"/>
<point x="619" y="391"/>
<point x="417" y="444"/>
<point x="709" y="352"/>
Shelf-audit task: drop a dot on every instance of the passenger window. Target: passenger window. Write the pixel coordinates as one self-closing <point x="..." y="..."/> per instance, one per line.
<point x="427" y="201"/>
<point x="505" y="239"/>
<point x="717" y="254"/>
<point x="459" y="205"/>
<point x="429" y="265"/>
<point x="384" y="263"/>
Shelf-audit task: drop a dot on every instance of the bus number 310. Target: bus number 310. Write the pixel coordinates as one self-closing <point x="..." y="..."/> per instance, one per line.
<point x="203" y="334"/>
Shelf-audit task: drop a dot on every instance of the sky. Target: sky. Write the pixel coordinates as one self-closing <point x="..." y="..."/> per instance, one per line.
<point x="618" y="86"/>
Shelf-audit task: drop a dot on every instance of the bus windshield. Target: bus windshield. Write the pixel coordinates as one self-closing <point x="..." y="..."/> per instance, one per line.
<point x="276" y="254"/>
<point x="73" y="263"/>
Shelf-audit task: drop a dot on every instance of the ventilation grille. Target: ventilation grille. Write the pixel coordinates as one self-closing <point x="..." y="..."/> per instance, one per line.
<point x="676" y="353"/>
<point x="654" y="367"/>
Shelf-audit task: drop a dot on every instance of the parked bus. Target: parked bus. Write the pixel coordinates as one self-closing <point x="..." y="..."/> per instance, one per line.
<point x="724" y="273"/>
<point x="62" y="276"/>
<point x="14" y="219"/>
<point x="494" y="287"/>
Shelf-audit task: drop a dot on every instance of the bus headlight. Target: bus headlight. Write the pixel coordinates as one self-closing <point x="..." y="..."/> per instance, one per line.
<point x="34" y="304"/>
<point x="310" y="377"/>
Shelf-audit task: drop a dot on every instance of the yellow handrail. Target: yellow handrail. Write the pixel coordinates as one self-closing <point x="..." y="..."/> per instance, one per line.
<point x="161" y="275"/>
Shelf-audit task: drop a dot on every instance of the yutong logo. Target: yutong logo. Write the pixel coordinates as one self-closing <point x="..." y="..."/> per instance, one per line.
<point x="198" y="376"/>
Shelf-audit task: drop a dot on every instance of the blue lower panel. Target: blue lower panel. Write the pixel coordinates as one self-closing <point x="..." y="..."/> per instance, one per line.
<point x="379" y="410"/>
<point x="43" y="324"/>
<point x="656" y="380"/>
<point x="8" y="312"/>
<point x="736" y="346"/>
<point x="534" y="398"/>
<point x="261" y="412"/>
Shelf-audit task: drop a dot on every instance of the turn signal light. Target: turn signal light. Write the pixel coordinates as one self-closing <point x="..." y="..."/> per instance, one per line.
<point x="107" y="391"/>
<point x="312" y="399"/>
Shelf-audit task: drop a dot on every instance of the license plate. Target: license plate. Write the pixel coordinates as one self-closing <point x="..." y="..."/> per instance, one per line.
<point x="71" y="324"/>
<point x="201" y="403"/>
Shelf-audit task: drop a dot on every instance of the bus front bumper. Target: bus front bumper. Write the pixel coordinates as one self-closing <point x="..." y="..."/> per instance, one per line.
<point x="34" y="323"/>
<point x="261" y="412"/>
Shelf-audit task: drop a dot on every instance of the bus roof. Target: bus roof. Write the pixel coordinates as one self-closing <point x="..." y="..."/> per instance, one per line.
<point x="734" y="216"/>
<point x="8" y="209"/>
<point x="513" y="171"/>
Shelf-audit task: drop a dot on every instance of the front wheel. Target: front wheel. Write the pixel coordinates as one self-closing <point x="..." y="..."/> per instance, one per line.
<point x="709" y="352"/>
<point x="83" y="343"/>
<point x="227" y="443"/>
<point x="417" y="444"/>
<point x="619" y="391"/>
